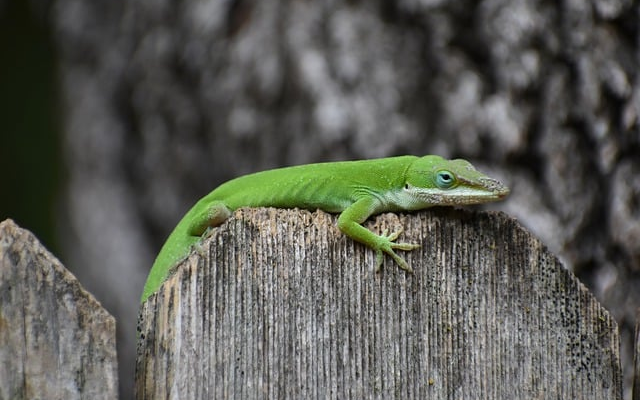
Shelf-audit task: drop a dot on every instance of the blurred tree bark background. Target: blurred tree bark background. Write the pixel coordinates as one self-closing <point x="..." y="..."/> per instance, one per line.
<point x="165" y="100"/>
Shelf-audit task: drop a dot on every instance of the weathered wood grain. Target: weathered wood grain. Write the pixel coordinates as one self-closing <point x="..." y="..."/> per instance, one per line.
<point x="56" y="341"/>
<point x="279" y="304"/>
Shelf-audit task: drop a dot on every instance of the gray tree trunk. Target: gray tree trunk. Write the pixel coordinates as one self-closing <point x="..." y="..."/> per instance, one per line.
<point x="636" y="361"/>
<point x="165" y="100"/>
<point x="279" y="304"/>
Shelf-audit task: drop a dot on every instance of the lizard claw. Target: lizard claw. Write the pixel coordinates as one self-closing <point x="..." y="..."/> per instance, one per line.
<point x="388" y="248"/>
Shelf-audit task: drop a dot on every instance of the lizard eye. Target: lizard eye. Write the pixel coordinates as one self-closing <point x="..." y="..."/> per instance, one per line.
<point x="445" y="179"/>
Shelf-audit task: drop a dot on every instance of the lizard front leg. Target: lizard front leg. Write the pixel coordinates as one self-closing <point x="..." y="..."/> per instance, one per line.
<point x="350" y="221"/>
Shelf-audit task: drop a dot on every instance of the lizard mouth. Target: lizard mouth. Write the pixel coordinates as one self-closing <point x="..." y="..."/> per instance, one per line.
<point x="501" y="191"/>
<point x="466" y="196"/>
<point x="483" y="191"/>
<point x="492" y="186"/>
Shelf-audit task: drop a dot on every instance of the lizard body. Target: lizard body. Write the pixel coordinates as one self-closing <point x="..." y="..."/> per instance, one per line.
<point x="355" y="189"/>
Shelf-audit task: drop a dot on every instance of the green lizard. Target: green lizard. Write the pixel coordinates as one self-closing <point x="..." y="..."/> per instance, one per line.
<point x="355" y="189"/>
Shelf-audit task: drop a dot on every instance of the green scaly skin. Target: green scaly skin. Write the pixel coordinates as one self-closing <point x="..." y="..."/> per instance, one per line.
<point x="355" y="189"/>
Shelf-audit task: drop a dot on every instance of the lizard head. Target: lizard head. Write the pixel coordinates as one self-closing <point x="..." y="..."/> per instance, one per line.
<point x="433" y="180"/>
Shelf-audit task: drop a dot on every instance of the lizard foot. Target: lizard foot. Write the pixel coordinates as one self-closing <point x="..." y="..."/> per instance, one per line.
<point x="388" y="247"/>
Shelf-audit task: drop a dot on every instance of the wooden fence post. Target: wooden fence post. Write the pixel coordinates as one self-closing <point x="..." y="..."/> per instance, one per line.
<point x="279" y="304"/>
<point x="56" y="341"/>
